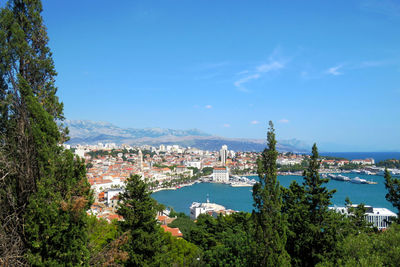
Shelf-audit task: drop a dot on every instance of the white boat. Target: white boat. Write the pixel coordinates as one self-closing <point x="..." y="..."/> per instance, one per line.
<point x="339" y="177"/>
<point x="358" y="180"/>
<point x="241" y="185"/>
<point x="343" y="178"/>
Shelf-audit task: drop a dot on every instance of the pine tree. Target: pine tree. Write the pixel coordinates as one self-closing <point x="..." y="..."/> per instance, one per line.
<point x="313" y="228"/>
<point x="139" y="219"/>
<point x="270" y="224"/>
<point x="393" y="194"/>
<point x="44" y="193"/>
<point x="318" y="196"/>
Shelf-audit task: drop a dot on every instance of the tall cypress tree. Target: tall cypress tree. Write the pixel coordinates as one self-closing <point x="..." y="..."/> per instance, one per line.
<point x="44" y="192"/>
<point x="318" y="198"/>
<point x="270" y="224"/>
<point x="138" y="211"/>
<point x="393" y="194"/>
<point x="313" y="228"/>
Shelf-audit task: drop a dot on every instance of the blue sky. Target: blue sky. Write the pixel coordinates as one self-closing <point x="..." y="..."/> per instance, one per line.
<point x="323" y="71"/>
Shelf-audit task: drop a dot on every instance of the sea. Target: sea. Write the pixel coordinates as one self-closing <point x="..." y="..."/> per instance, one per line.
<point x="240" y="198"/>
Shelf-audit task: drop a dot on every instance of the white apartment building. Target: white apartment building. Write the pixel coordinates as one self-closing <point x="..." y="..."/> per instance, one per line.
<point x="379" y="217"/>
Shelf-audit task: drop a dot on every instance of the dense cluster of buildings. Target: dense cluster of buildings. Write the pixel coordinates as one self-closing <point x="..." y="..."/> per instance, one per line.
<point x="164" y="167"/>
<point x="172" y="166"/>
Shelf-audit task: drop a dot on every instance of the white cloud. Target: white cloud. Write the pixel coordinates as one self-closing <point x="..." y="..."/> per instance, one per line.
<point x="284" y="121"/>
<point x="208" y="106"/>
<point x="335" y="70"/>
<point x="254" y="122"/>
<point x="246" y="79"/>
<point x="226" y="125"/>
<point x="242" y="72"/>
<point x="275" y="65"/>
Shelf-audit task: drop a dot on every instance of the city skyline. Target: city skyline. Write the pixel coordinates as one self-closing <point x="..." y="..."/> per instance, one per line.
<point x="322" y="72"/>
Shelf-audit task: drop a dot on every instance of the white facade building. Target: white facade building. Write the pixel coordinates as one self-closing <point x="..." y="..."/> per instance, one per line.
<point x="80" y="152"/>
<point x="199" y="208"/>
<point x="379" y="217"/>
<point x="220" y="174"/>
<point x="194" y="164"/>
<point x="111" y="193"/>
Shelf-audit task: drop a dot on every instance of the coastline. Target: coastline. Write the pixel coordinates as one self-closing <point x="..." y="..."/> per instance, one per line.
<point x="172" y="188"/>
<point x="239" y="184"/>
<point x="240" y="198"/>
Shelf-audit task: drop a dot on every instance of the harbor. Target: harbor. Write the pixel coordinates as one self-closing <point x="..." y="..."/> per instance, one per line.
<point x="240" y="198"/>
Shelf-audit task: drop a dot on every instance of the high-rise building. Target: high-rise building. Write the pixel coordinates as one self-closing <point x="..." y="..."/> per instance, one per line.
<point x="223" y="153"/>
<point x="162" y="148"/>
<point x="140" y="160"/>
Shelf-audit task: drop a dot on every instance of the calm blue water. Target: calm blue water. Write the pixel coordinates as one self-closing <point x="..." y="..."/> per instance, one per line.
<point x="240" y="198"/>
<point x="377" y="156"/>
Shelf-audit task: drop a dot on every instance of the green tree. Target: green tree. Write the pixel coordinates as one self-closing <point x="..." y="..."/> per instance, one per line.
<point x="356" y="217"/>
<point x="138" y="210"/>
<point x="179" y="252"/>
<point x="393" y="194"/>
<point x="101" y="233"/>
<point x="368" y="249"/>
<point x="225" y="241"/>
<point x="44" y="193"/>
<point x="314" y="230"/>
<point x="270" y="224"/>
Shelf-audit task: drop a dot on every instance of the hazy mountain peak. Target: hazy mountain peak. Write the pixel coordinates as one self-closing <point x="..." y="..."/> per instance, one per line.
<point x="90" y="132"/>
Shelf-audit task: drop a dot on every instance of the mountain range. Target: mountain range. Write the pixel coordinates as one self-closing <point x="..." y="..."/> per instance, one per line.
<point x="89" y="132"/>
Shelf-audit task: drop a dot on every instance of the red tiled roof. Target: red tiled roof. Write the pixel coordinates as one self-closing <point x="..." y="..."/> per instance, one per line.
<point x="174" y="231"/>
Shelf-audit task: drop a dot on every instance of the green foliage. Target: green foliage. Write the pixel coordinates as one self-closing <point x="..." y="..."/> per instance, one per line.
<point x="225" y="241"/>
<point x="270" y="223"/>
<point x="291" y="168"/>
<point x="393" y="195"/>
<point x="138" y="210"/>
<point x="389" y="163"/>
<point x="56" y="219"/>
<point x="179" y="252"/>
<point x="313" y="229"/>
<point x="185" y="225"/>
<point x="207" y="171"/>
<point x="174" y="214"/>
<point x="333" y="158"/>
<point x="195" y="170"/>
<point x="356" y="217"/>
<point x="351" y="166"/>
<point x="45" y="193"/>
<point x="100" y="233"/>
<point x="89" y="165"/>
<point x="368" y="249"/>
